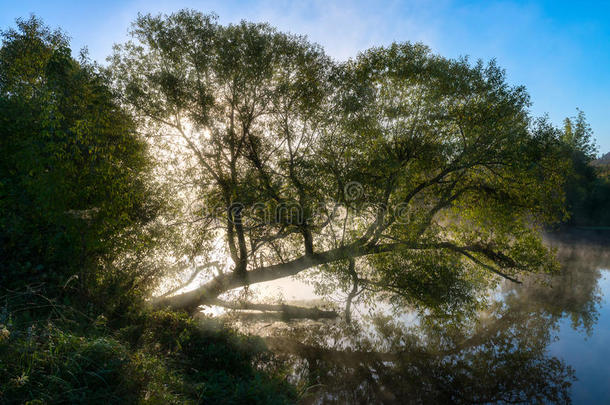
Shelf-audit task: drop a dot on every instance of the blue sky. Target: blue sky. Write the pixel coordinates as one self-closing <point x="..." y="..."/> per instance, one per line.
<point x="560" y="50"/>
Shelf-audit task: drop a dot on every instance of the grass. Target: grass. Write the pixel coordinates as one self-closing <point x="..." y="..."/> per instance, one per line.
<point x="158" y="357"/>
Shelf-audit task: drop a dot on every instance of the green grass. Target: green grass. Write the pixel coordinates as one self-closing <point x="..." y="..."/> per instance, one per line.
<point x="160" y="358"/>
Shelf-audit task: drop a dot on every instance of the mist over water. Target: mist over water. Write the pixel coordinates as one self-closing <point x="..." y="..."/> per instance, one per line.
<point x="542" y="341"/>
<point x="583" y="332"/>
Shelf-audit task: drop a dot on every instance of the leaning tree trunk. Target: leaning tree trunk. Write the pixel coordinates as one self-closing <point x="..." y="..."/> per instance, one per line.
<point x="208" y="292"/>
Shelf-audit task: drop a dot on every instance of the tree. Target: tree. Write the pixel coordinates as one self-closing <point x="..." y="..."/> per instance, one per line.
<point x="76" y="197"/>
<point x="587" y="191"/>
<point x="577" y="135"/>
<point x="427" y="173"/>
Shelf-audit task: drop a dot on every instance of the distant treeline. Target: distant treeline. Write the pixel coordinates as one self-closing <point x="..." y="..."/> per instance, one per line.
<point x="588" y="186"/>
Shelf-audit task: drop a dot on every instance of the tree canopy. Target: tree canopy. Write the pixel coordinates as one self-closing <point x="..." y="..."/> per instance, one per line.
<point x="577" y="134"/>
<point x="587" y="187"/>
<point x="398" y="170"/>
<point x="76" y="197"/>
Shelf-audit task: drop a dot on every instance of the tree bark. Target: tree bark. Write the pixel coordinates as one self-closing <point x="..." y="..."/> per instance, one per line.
<point x="205" y="294"/>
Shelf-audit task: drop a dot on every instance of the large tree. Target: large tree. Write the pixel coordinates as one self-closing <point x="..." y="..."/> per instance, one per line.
<point x="77" y="205"/>
<point x="397" y="171"/>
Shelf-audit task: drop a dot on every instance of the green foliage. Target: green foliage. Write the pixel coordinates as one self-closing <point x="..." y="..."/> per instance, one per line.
<point x="75" y="186"/>
<point x="587" y="187"/>
<point x="425" y="174"/>
<point x="577" y="135"/>
<point x="79" y="236"/>
<point x="218" y="365"/>
<point x="438" y="281"/>
<point x="396" y="149"/>
<point x="163" y="358"/>
<point x="44" y="364"/>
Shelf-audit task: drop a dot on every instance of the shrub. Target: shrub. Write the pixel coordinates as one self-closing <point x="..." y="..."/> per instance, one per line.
<point x="163" y="358"/>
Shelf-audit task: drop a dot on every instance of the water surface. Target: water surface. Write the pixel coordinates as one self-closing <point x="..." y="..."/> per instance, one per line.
<point x="543" y="341"/>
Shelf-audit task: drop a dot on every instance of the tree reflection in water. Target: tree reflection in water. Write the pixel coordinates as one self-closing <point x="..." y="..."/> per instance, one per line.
<point x="496" y="355"/>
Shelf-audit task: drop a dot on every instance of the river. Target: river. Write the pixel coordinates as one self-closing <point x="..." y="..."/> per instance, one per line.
<point x="543" y="341"/>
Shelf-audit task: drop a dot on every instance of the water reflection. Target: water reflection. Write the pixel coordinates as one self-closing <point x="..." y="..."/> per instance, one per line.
<point x="499" y="355"/>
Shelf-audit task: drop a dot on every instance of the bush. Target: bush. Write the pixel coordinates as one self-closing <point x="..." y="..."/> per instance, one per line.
<point x="163" y="358"/>
<point x="217" y="365"/>
<point x="78" y="205"/>
<point x="44" y="364"/>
